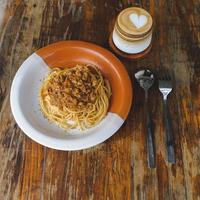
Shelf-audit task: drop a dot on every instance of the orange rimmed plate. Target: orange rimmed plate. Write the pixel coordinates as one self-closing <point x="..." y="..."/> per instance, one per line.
<point x="27" y="82"/>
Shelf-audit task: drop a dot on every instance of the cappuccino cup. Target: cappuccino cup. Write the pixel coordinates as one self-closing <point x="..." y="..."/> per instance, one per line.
<point x="133" y="29"/>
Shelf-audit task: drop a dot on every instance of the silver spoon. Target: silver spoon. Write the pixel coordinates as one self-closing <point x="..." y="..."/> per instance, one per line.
<point x="146" y="79"/>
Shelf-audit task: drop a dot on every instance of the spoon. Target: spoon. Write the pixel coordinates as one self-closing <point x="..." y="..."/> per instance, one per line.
<point x="146" y="79"/>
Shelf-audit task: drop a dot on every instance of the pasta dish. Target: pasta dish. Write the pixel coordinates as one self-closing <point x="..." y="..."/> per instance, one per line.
<point x="75" y="97"/>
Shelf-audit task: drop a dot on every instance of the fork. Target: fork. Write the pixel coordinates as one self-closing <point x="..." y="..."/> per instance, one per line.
<point x="165" y="87"/>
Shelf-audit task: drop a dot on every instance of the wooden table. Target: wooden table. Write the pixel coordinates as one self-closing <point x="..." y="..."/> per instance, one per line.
<point x="116" y="169"/>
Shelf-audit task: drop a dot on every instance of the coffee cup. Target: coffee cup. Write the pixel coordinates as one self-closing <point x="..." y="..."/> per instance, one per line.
<point x="133" y="29"/>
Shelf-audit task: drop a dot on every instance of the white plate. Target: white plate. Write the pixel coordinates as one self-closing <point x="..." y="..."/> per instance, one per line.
<point x="25" y="107"/>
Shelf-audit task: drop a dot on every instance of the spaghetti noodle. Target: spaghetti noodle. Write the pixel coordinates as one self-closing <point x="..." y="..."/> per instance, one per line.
<point x="75" y="97"/>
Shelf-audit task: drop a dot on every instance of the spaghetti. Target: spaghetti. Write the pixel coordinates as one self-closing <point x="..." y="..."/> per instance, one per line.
<point x="75" y="97"/>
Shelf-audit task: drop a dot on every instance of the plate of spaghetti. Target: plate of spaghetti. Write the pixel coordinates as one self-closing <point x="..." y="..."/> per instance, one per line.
<point x="71" y="95"/>
<point x="76" y="97"/>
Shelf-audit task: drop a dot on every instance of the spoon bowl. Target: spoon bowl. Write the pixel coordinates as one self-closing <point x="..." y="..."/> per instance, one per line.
<point x="145" y="78"/>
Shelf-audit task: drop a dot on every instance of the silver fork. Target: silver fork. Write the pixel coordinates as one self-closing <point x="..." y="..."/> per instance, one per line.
<point x="165" y="87"/>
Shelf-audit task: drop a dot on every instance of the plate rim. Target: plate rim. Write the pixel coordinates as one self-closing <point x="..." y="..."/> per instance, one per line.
<point x="24" y="128"/>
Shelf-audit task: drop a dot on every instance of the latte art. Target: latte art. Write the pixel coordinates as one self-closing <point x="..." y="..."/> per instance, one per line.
<point x="138" y="20"/>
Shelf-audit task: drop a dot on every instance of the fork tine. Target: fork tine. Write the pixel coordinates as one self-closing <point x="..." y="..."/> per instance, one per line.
<point x="161" y="76"/>
<point x="168" y="75"/>
<point x="165" y="75"/>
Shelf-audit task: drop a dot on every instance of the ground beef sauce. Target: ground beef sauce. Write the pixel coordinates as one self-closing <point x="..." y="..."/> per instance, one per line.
<point x="75" y="89"/>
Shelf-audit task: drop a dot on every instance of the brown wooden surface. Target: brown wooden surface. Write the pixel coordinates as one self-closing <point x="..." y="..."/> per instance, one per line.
<point x="116" y="169"/>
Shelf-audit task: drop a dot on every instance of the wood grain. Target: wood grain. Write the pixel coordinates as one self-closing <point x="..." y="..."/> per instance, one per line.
<point x="116" y="169"/>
